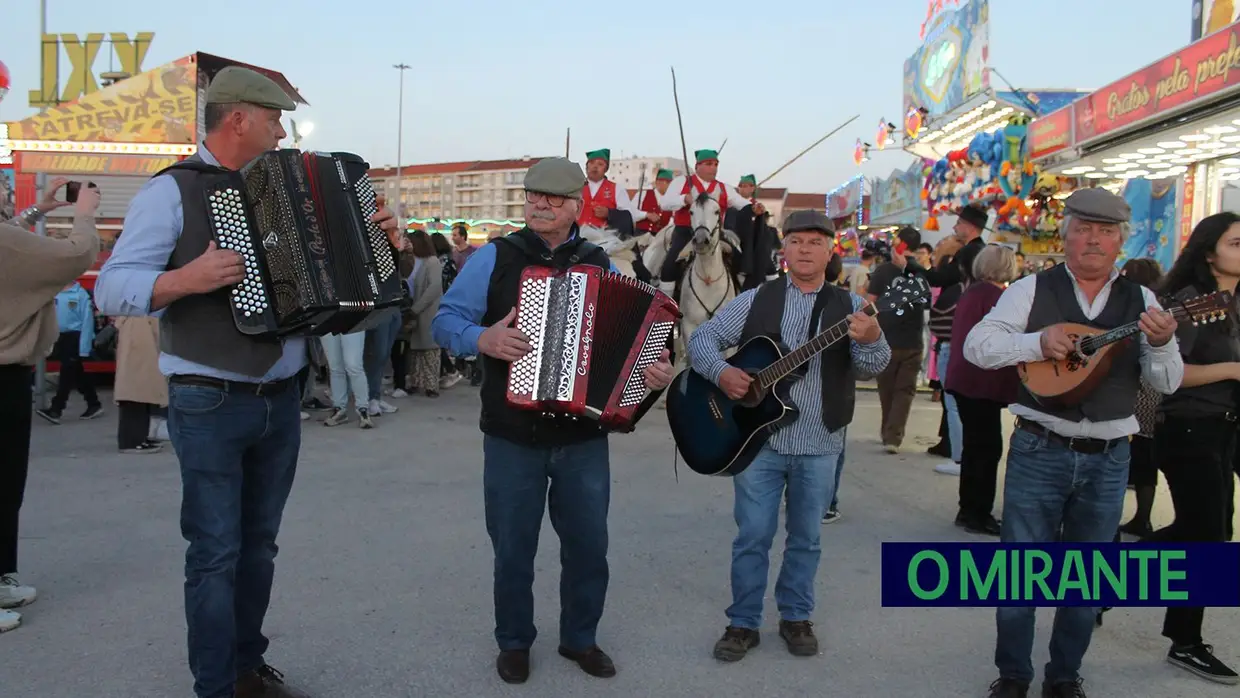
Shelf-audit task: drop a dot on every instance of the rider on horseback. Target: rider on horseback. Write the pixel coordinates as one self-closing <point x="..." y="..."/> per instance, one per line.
<point x="681" y="193"/>
<point x="603" y="204"/>
<point x="650" y="205"/>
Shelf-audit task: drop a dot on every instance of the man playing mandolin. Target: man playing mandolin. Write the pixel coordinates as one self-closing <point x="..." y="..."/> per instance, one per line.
<point x="1067" y="464"/>
<point x="801" y="456"/>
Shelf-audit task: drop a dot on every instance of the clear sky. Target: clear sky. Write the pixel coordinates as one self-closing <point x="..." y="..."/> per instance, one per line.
<point x="494" y="79"/>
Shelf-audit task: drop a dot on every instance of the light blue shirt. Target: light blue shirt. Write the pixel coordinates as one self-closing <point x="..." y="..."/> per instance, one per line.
<point x="75" y="313"/>
<point x="807" y="436"/>
<point x="153" y="225"/>
<point x="455" y="326"/>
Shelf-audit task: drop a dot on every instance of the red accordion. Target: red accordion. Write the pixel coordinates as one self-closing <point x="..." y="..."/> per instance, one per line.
<point x="593" y="332"/>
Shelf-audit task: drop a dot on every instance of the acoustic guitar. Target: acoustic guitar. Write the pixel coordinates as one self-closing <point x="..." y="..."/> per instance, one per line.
<point x="1058" y="384"/>
<point x="717" y="435"/>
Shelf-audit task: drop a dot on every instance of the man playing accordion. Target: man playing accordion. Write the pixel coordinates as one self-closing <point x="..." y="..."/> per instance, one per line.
<point x="523" y="450"/>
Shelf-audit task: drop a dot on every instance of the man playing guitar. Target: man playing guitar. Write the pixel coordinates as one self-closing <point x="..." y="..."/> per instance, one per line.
<point x="1067" y="467"/>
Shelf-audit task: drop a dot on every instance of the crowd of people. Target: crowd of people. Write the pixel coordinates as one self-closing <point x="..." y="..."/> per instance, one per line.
<point x="235" y="405"/>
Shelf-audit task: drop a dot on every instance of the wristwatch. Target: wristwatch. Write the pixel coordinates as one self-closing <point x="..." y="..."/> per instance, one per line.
<point x="32" y="215"/>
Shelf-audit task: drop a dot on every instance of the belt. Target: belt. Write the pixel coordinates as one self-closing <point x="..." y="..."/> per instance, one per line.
<point x="1072" y="443"/>
<point x="242" y="387"/>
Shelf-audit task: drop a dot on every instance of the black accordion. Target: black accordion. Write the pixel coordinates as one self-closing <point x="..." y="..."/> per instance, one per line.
<point x="593" y="333"/>
<point x="314" y="262"/>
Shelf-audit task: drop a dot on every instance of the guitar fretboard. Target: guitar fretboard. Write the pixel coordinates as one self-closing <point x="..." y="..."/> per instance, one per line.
<point x="1092" y="344"/>
<point x="772" y="374"/>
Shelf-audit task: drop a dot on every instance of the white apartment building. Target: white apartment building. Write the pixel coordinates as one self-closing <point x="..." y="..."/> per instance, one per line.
<point x="473" y="190"/>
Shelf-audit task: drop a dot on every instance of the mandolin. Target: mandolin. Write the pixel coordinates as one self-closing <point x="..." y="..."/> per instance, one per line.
<point x="1058" y="384"/>
<point x="717" y="435"/>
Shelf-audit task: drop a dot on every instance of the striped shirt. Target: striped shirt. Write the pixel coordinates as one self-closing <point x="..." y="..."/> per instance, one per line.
<point x="807" y="436"/>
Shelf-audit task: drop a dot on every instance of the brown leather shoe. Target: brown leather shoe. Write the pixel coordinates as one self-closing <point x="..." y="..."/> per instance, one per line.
<point x="593" y="661"/>
<point x="265" y="682"/>
<point x="513" y="666"/>
<point x="799" y="636"/>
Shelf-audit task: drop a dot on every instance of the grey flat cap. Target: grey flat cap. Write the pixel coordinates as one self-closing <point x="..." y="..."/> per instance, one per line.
<point x="236" y="84"/>
<point x="1097" y="205"/>
<point x="558" y="176"/>
<point x="808" y="220"/>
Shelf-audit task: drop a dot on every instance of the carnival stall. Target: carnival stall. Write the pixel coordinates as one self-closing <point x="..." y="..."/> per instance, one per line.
<point x="116" y="137"/>
<point x="479" y="230"/>
<point x="848" y="207"/>
<point x="1166" y="137"/>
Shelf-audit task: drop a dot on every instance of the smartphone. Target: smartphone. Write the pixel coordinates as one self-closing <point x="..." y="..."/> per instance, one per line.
<point x="72" y="189"/>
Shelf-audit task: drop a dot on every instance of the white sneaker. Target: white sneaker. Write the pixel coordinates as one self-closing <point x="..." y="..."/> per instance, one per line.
<point x="9" y="620"/>
<point x="948" y="468"/>
<point x="449" y="380"/>
<point x="398" y="393"/>
<point x="13" y="594"/>
<point x="373" y="408"/>
<point x="385" y="407"/>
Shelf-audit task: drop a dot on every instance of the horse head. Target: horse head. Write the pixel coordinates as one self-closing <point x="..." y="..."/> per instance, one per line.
<point x="707" y="220"/>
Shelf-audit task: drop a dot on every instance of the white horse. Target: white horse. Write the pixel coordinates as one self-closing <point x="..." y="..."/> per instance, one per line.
<point x="623" y="253"/>
<point x="706" y="284"/>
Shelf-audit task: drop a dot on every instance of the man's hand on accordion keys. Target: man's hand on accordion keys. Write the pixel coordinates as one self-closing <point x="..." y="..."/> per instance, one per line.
<point x="212" y="270"/>
<point x="389" y="225"/>
<point x="659" y="374"/>
<point x="503" y="342"/>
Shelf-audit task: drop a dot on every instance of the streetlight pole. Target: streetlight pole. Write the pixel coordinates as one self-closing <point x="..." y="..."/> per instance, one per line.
<point x="400" y="128"/>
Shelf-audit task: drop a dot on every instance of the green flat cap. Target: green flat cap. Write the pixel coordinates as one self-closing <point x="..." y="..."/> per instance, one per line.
<point x="558" y="176"/>
<point x="1097" y="205"/>
<point x="809" y="219"/>
<point x="235" y="84"/>
<point x="600" y="154"/>
<point x="704" y="155"/>
<point x="749" y="179"/>
<point x="664" y="174"/>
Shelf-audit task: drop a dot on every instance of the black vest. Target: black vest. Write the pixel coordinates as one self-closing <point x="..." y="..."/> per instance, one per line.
<point x="1054" y="301"/>
<point x="513" y="254"/>
<point x="1202" y="345"/>
<point x="201" y="328"/>
<point x="833" y="304"/>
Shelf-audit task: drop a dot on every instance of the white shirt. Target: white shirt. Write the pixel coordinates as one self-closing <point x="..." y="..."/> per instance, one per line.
<point x="674" y="199"/>
<point x="1000" y="340"/>
<point x="623" y="201"/>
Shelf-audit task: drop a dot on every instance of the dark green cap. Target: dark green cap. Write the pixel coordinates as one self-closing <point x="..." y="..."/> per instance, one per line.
<point x="702" y="155"/>
<point x="235" y="84"/>
<point x="664" y="174"/>
<point x="749" y="179"/>
<point x="600" y="154"/>
<point x="558" y="176"/>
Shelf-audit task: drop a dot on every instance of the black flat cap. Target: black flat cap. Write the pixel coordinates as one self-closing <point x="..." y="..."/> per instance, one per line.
<point x="1097" y="205"/>
<point x="799" y="221"/>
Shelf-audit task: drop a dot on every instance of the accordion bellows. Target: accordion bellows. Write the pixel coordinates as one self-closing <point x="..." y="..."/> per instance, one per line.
<point x="314" y="262"/>
<point x="593" y="333"/>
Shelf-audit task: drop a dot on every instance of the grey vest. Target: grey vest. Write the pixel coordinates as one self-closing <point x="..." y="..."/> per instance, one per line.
<point x="200" y="328"/>
<point x="833" y="304"/>
<point x="1054" y="301"/>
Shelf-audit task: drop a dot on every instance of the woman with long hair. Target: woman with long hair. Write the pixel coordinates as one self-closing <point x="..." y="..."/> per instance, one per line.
<point x="1195" y="433"/>
<point x="1142" y="472"/>
<point x="980" y="395"/>
<point x="424" y="273"/>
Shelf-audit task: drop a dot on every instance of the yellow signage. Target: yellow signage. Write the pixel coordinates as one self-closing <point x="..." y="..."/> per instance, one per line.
<point x="82" y="54"/>
<point x="86" y="164"/>
<point x="158" y="106"/>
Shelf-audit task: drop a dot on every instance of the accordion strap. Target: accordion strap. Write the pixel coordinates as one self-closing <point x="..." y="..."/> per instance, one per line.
<point x="581" y="249"/>
<point x="193" y="166"/>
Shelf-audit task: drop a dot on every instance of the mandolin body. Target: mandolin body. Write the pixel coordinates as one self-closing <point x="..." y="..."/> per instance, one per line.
<point x="1059" y="384"/>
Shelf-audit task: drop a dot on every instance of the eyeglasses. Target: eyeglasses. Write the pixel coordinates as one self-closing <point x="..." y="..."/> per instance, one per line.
<point x="554" y="200"/>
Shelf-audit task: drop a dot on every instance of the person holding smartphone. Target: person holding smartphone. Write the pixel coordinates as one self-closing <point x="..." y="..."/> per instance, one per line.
<point x="33" y="270"/>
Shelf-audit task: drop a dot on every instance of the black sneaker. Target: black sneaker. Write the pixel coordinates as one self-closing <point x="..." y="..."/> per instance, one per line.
<point x="364" y="419"/>
<point x="92" y="412"/>
<point x="988" y="526"/>
<point x="1063" y="689"/>
<point x="1008" y="688"/>
<point x="1200" y="660"/>
<point x="831" y="516"/>
<point x="736" y="643"/>
<point x="799" y="636"/>
<point x="52" y="416"/>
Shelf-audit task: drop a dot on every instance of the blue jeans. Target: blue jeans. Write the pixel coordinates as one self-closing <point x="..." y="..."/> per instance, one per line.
<point x="1052" y="494"/>
<point x="238" y="456"/>
<point x="515" y="486"/>
<point x="759" y="490"/>
<point x="381" y="340"/>
<point x="346" y="354"/>
<point x="839" y="469"/>
<point x="955" y="431"/>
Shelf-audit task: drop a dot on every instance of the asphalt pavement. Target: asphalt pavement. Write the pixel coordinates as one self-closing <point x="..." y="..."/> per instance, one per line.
<point x="383" y="585"/>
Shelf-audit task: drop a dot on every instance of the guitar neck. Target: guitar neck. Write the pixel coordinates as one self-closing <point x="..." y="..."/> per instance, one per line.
<point x="1092" y="344"/>
<point x="772" y="374"/>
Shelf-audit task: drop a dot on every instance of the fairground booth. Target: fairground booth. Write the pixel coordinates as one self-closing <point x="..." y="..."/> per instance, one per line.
<point x="971" y="139"/>
<point x="1166" y="137"/>
<point x="479" y="230"/>
<point x="117" y="137"/>
<point x="848" y="207"/>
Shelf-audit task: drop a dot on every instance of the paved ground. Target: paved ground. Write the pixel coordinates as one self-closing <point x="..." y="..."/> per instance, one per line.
<point x="383" y="586"/>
